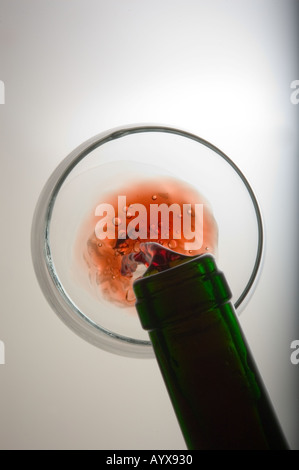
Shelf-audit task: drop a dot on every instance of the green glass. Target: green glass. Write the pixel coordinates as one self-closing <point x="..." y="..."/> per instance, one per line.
<point x="214" y="385"/>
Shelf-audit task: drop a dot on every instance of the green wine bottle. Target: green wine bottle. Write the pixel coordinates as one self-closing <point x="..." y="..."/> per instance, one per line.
<point x="213" y="382"/>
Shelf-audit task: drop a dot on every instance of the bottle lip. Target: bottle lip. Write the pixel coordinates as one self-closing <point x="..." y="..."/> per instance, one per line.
<point x="199" y="266"/>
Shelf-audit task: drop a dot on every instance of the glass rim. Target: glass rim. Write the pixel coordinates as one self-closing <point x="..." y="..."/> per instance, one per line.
<point x="43" y="262"/>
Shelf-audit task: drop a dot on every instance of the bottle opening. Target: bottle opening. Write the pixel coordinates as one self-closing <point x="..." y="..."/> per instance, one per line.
<point x="154" y="257"/>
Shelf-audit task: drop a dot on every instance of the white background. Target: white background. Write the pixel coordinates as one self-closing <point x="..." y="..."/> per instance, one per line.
<point x="221" y="69"/>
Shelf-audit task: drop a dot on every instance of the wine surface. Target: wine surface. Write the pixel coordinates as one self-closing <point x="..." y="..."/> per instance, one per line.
<point x="166" y="211"/>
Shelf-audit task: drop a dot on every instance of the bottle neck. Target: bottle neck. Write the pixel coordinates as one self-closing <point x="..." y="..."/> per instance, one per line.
<point x="173" y="295"/>
<point x="214" y="385"/>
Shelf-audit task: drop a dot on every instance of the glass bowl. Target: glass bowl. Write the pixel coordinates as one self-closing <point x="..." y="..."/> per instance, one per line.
<point x="110" y="159"/>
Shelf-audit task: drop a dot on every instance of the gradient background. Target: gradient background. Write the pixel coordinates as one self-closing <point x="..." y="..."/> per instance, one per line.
<point x="221" y="69"/>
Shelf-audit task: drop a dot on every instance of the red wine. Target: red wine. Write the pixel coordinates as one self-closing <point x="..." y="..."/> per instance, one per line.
<point x="104" y="257"/>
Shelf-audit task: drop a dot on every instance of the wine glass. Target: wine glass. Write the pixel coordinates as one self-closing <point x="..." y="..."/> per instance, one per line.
<point x="107" y="161"/>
